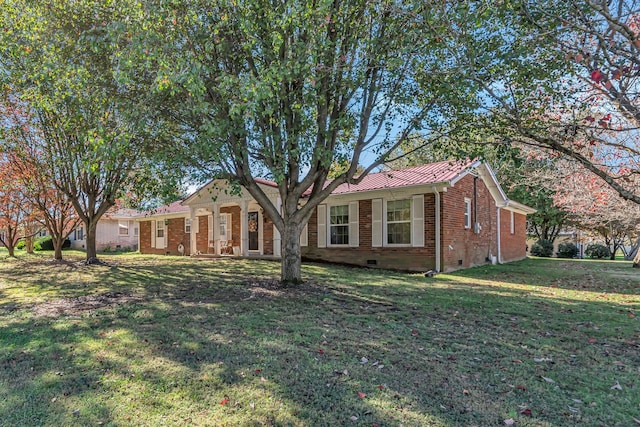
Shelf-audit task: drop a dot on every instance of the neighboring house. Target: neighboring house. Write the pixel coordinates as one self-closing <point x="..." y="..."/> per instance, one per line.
<point x="115" y="231"/>
<point x="441" y="216"/>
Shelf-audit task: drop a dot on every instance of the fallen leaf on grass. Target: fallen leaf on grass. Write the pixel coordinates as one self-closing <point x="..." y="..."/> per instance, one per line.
<point x="509" y="421"/>
<point x="362" y="395"/>
<point x="380" y="387"/>
<point x="414" y="332"/>
<point x="353" y="418"/>
<point x="224" y="401"/>
<point x="541" y="359"/>
<point x="549" y="380"/>
<point x="592" y="340"/>
<point x="364" y="360"/>
<point x="517" y="361"/>
<point x="465" y="391"/>
<point x="526" y="412"/>
<point x="521" y="387"/>
<point x="616" y="386"/>
<point x="321" y="351"/>
<point x="636" y="420"/>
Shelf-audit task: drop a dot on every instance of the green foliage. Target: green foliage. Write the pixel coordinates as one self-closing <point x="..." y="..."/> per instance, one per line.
<point x="598" y="251"/>
<point x="542" y="248"/>
<point x="45" y="243"/>
<point x="21" y="244"/>
<point x="567" y="250"/>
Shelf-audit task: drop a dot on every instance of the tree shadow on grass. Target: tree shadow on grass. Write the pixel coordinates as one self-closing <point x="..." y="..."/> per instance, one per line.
<point x="440" y="352"/>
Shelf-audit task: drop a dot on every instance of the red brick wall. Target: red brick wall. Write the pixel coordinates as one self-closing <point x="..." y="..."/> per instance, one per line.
<point x="145" y="237"/>
<point x="202" y="236"/>
<point x="267" y="247"/>
<point x="176" y="235"/>
<point x="404" y="258"/>
<point x="235" y="223"/>
<point x="513" y="246"/>
<point x="462" y="247"/>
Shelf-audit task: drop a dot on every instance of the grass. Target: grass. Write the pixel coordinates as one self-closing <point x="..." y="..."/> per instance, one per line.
<point x="172" y="341"/>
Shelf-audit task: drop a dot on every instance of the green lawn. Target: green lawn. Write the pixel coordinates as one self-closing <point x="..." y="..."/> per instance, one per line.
<point x="173" y="341"/>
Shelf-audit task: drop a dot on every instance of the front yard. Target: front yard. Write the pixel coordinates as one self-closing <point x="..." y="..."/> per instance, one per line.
<point x="174" y="341"/>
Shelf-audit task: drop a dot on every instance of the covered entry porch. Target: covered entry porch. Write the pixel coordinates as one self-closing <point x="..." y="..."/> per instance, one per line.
<point x="231" y="225"/>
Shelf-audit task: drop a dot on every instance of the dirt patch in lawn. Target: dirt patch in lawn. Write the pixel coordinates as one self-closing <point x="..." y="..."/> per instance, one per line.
<point x="79" y="305"/>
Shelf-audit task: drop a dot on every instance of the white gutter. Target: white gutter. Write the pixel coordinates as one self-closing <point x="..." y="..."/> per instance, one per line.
<point x="438" y="249"/>
<point x="499" y="244"/>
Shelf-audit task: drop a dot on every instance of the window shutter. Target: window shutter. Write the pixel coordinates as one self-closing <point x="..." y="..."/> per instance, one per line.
<point x="153" y="234"/>
<point x="304" y="236"/>
<point x="376" y="223"/>
<point x="417" y="239"/>
<point x="322" y="226"/>
<point x="354" y="231"/>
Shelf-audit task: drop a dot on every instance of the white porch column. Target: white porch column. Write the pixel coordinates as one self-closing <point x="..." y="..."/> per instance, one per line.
<point x="194" y="230"/>
<point x="244" y="231"/>
<point x="260" y="231"/>
<point x="216" y="228"/>
<point x="276" y="233"/>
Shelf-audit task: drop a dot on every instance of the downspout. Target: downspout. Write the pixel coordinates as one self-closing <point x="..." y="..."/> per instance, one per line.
<point x="498" y="228"/>
<point x="438" y="245"/>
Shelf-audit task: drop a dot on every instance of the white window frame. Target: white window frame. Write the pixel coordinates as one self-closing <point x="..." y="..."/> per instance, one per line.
<point x="386" y="223"/>
<point x="187" y="226"/>
<point x="467" y="212"/>
<point x="136" y="231"/>
<point x="512" y="226"/>
<point x="160" y="227"/>
<point x="330" y="225"/>
<point x="123" y="226"/>
<point x="79" y="233"/>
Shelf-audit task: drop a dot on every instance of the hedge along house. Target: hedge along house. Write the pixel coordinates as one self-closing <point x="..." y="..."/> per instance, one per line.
<point x="441" y="216"/>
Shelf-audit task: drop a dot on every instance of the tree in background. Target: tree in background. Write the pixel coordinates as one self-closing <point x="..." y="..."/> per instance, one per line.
<point x="60" y="64"/>
<point x="596" y="208"/>
<point x="561" y="76"/>
<point x="283" y="90"/>
<point x="17" y="214"/>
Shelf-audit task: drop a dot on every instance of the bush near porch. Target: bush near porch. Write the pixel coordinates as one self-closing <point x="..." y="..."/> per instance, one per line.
<point x="150" y="340"/>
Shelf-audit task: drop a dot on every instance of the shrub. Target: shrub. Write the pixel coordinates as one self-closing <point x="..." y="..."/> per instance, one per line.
<point x="567" y="250"/>
<point x="598" y="251"/>
<point x="21" y="244"/>
<point x="46" y="244"/>
<point x="543" y="248"/>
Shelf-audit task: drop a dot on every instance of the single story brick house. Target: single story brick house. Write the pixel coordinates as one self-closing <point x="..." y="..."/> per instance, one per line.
<point x="441" y="216"/>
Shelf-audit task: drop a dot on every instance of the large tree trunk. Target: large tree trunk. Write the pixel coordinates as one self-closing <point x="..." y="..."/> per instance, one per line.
<point x="92" y="256"/>
<point x="291" y="263"/>
<point x="57" y="241"/>
<point x="28" y="244"/>
<point x="636" y="260"/>
<point x="12" y="250"/>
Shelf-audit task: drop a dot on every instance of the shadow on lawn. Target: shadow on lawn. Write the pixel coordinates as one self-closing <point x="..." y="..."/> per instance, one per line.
<point x="445" y="353"/>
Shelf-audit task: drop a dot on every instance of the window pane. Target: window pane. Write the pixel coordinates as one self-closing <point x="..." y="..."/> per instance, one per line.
<point x="399" y="233"/>
<point x="339" y="235"/>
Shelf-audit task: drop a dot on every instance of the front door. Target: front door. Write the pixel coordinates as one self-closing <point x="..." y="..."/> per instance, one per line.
<point x="252" y="226"/>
